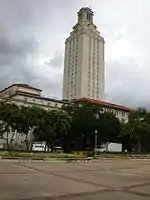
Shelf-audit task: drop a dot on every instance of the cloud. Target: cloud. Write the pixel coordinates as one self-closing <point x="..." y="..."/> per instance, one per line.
<point x="13" y="56"/>
<point x="56" y="60"/>
<point x="11" y="46"/>
<point x="32" y="36"/>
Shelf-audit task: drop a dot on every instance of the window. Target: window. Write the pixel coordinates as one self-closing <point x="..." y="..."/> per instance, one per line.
<point x="116" y="112"/>
<point x="123" y="114"/>
<point x="56" y="105"/>
<point x="48" y="103"/>
<point x="25" y="99"/>
<point x="87" y="15"/>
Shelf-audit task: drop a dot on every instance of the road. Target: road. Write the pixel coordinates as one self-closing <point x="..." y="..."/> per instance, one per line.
<point x="103" y="179"/>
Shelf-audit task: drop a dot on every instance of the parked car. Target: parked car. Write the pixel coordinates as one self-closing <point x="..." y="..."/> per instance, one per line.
<point x="40" y="146"/>
<point x="58" y="149"/>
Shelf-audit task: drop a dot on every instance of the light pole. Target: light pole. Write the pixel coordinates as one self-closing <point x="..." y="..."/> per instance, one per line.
<point x="95" y="152"/>
<point x="96" y="139"/>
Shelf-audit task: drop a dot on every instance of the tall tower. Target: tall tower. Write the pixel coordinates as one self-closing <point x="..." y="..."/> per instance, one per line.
<point x="84" y="73"/>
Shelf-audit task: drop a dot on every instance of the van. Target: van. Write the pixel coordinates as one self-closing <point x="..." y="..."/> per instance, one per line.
<point x="40" y="146"/>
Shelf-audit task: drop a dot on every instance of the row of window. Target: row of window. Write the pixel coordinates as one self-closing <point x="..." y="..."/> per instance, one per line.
<point x="92" y="61"/>
<point x="72" y="91"/>
<point x="72" y="95"/>
<point x="73" y="59"/>
<point x="48" y="103"/>
<point x="94" y="45"/>
<point x="116" y="112"/>
<point x="73" y="46"/>
<point x="93" y="96"/>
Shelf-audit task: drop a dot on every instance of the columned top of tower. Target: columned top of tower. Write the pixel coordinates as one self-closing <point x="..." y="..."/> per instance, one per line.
<point x="85" y="25"/>
<point x="85" y="14"/>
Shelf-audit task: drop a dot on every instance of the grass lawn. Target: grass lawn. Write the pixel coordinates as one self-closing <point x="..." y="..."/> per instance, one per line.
<point x="47" y="155"/>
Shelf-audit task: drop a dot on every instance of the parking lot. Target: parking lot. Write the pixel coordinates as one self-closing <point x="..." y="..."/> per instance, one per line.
<point x="103" y="179"/>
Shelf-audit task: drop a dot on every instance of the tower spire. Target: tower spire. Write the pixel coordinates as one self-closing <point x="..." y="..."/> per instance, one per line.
<point x="85" y="14"/>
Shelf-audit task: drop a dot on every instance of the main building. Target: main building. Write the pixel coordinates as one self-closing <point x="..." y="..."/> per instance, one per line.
<point x="84" y="74"/>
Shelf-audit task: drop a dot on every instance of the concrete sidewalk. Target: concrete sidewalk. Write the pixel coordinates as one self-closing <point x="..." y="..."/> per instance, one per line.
<point x="104" y="179"/>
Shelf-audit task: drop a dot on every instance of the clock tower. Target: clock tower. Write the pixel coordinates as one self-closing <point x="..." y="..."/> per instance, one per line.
<point x="84" y="71"/>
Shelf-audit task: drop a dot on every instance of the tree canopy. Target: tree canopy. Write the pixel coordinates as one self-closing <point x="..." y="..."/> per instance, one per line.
<point x="137" y="130"/>
<point x="88" y="118"/>
<point x="52" y="123"/>
<point x="74" y="127"/>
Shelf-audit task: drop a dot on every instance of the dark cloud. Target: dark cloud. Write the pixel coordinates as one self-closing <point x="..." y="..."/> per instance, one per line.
<point x="27" y="34"/>
<point x="13" y="58"/>
<point x="19" y="64"/>
<point x="9" y="46"/>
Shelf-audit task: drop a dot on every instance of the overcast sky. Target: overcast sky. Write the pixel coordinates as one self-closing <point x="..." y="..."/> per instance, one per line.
<point x="33" y="32"/>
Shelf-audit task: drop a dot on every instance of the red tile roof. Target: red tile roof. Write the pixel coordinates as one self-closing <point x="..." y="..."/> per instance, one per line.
<point x="105" y="104"/>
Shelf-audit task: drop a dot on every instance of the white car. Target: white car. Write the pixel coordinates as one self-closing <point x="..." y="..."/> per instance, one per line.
<point x="58" y="149"/>
<point x="40" y="146"/>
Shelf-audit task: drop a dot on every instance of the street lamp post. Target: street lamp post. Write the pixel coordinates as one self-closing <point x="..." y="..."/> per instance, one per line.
<point x="96" y="139"/>
<point x="95" y="152"/>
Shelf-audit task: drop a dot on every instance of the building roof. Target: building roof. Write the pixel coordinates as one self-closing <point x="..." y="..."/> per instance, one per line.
<point x="39" y="97"/>
<point x="105" y="104"/>
<point x="21" y="85"/>
<point x="85" y="8"/>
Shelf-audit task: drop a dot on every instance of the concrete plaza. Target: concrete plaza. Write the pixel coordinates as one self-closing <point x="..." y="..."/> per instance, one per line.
<point x="103" y="179"/>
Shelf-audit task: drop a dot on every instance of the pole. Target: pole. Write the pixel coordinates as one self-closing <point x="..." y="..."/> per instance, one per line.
<point x="95" y="143"/>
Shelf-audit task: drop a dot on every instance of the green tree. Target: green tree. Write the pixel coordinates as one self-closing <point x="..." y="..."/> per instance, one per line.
<point x="54" y="128"/>
<point x="29" y="118"/>
<point x="19" y="119"/>
<point x="138" y="129"/>
<point x="83" y="124"/>
<point x="109" y="127"/>
<point x="86" y="118"/>
<point x="124" y="137"/>
<point x="8" y="118"/>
